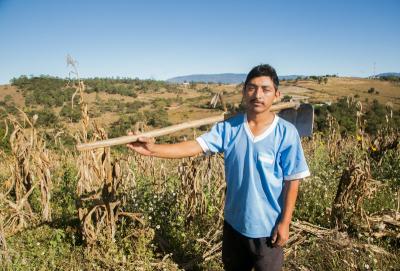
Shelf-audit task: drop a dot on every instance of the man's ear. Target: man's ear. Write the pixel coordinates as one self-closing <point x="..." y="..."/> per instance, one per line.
<point x="277" y="95"/>
<point x="243" y="93"/>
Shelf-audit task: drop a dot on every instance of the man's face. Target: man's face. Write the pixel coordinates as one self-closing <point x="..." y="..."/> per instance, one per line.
<point x="259" y="94"/>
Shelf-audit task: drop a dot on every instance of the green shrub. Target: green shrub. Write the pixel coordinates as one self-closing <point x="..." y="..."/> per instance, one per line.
<point x="46" y="118"/>
<point x="72" y="114"/>
<point x="157" y="118"/>
<point x="125" y="123"/>
<point x="346" y="115"/>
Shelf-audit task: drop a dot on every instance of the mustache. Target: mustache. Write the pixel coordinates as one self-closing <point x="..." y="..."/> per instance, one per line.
<point x="257" y="100"/>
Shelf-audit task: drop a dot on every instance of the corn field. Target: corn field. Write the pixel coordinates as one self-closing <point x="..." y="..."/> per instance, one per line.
<point x="109" y="210"/>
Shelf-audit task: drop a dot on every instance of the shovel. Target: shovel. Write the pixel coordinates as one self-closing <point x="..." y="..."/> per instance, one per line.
<point x="301" y="115"/>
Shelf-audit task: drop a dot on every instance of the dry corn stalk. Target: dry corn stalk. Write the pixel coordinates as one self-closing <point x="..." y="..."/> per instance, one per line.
<point x="334" y="138"/>
<point x="301" y="231"/>
<point x="385" y="224"/>
<point x="362" y="137"/>
<point x="387" y="138"/>
<point x="99" y="199"/>
<point x="100" y="179"/>
<point x="355" y="185"/>
<point x="3" y="244"/>
<point x="30" y="169"/>
<point x="203" y="185"/>
<point x="197" y="176"/>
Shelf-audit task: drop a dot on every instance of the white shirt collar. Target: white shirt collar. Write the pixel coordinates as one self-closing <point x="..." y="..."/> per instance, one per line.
<point x="264" y="134"/>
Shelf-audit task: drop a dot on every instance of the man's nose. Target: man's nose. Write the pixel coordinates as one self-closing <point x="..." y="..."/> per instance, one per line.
<point x="259" y="92"/>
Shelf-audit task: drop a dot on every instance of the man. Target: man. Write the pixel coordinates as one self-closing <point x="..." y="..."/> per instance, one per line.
<point x="264" y="162"/>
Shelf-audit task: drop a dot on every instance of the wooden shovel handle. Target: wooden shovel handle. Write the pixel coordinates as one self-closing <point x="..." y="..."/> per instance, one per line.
<point x="167" y="130"/>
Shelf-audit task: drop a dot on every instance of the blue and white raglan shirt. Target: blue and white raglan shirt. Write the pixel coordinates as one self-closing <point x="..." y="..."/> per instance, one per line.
<point x="255" y="170"/>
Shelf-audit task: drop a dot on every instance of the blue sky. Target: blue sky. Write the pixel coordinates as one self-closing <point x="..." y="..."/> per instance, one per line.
<point x="163" y="39"/>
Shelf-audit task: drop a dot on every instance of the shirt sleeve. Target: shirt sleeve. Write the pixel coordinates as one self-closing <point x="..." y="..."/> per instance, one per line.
<point x="213" y="141"/>
<point x="293" y="162"/>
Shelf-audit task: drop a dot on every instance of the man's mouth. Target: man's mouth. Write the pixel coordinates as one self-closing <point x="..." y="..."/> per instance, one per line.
<point x="257" y="102"/>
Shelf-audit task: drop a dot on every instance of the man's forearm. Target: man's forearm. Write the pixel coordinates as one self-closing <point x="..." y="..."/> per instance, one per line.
<point x="178" y="150"/>
<point x="290" y="196"/>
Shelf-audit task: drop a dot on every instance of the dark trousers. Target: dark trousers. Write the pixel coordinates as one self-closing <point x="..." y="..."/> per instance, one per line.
<point x="242" y="253"/>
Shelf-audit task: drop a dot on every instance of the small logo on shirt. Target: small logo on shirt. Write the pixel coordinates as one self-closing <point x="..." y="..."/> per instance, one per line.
<point x="267" y="158"/>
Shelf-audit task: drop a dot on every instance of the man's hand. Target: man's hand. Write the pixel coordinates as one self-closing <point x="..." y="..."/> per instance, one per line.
<point x="281" y="232"/>
<point x="143" y="146"/>
<point x="280" y="235"/>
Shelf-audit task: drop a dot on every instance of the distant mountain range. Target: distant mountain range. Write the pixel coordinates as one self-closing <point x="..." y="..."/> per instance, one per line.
<point x="389" y="74"/>
<point x="224" y="78"/>
<point x="237" y="78"/>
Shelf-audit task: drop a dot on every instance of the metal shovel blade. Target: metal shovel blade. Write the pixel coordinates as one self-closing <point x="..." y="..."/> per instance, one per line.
<point x="302" y="118"/>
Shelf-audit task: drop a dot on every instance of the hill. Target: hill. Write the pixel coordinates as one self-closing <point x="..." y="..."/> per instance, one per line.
<point x="389" y="74"/>
<point x="117" y="104"/>
<point x="366" y="90"/>
<point x="224" y="78"/>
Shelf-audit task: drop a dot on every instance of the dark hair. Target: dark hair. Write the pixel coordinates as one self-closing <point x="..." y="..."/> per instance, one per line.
<point x="263" y="70"/>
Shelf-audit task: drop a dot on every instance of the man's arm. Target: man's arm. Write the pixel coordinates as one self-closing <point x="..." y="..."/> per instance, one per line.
<point x="281" y="232"/>
<point x="146" y="146"/>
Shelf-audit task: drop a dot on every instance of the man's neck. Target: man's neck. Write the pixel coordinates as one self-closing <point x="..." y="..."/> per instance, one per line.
<point x="260" y="118"/>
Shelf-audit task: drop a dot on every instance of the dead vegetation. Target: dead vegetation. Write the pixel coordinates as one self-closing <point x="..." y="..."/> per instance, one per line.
<point x="355" y="185"/>
<point x="30" y="171"/>
<point x="104" y="185"/>
<point x="99" y="179"/>
<point x="3" y="243"/>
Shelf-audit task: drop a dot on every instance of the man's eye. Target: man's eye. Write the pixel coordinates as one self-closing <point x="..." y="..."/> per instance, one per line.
<point x="265" y="89"/>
